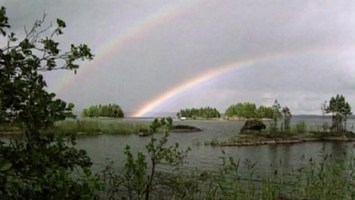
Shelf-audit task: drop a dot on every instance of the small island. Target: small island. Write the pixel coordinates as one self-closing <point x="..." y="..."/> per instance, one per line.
<point x="280" y="131"/>
<point x="166" y="125"/>
<point x="264" y="138"/>
<point x="198" y="113"/>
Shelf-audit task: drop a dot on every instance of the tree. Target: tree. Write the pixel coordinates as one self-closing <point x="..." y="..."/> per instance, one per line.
<point x="264" y="112"/>
<point x="203" y="112"/>
<point x="286" y="114"/>
<point x="140" y="177"/>
<point x="323" y="107"/>
<point x="242" y="110"/>
<point x="22" y="85"/>
<point x="40" y="166"/>
<point x="110" y="110"/>
<point x="340" y="110"/>
<point x="249" y="110"/>
<point x="276" y="115"/>
<point x="346" y="111"/>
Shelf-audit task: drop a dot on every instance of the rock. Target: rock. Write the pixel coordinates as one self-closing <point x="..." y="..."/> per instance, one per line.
<point x="142" y="132"/>
<point x="184" y="129"/>
<point x="252" y="126"/>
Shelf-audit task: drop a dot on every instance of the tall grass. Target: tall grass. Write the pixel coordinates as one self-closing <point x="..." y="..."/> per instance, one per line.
<point x="95" y="127"/>
<point x="324" y="180"/>
<point x="299" y="127"/>
<point x="327" y="179"/>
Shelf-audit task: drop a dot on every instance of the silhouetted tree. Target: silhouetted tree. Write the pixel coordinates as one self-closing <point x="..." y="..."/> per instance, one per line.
<point x="40" y="166"/>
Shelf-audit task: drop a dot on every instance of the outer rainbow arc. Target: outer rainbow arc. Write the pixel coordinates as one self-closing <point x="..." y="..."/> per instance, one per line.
<point x="138" y="29"/>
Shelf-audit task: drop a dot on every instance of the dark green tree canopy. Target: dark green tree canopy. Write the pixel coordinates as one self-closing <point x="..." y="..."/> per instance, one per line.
<point x="340" y="110"/>
<point x="338" y="105"/>
<point x="23" y="94"/>
<point x="203" y="112"/>
<point x="286" y="115"/>
<point x="40" y="166"/>
<point x="248" y="110"/>
<point x="110" y="110"/>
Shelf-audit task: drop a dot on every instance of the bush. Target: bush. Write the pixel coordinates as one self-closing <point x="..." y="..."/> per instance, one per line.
<point x="140" y="178"/>
<point x="300" y="127"/>
<point x="45" y="169"/>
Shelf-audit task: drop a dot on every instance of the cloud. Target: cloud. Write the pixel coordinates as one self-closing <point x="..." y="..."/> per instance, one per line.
<point x="314" y="41"/>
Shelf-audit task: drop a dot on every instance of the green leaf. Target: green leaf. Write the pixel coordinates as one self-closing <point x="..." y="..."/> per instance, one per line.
<point x="5" y="166"/>
<point x="61" y="23"/>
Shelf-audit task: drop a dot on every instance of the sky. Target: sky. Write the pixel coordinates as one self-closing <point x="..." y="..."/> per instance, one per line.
<point x="160" y="56"/>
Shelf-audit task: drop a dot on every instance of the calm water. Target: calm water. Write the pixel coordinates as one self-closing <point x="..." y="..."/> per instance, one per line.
<point x="105" y="148"/>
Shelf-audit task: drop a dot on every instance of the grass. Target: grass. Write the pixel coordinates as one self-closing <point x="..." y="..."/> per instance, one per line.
<point x="97" y="127"/>
<point x="299" y="128"/>
<point x="328" y="178"/>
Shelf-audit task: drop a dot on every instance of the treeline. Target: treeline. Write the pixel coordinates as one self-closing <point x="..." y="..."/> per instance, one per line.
<point x="110" y="110"/>
<point x="340" y="110"/>
<point x="203" y="112"/>
<point x="247" y="110"/>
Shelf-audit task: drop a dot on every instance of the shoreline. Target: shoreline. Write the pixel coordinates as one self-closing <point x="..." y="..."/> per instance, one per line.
<point x="254" y="140"/>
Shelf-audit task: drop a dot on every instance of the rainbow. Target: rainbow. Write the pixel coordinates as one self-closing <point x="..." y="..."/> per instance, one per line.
<point x="180" y="88"/>
<point x="132" y="32"/>
<point x="225" y="68"/>
<point x="143" y="26"/>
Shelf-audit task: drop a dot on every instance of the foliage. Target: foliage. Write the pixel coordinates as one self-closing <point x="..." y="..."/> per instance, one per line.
<point x="276" y="115"/>
<point x="247" y="110"/>
<point x="206" y="113"/>
<point x="340" y="110"/>
<point x="94" y="127"/>
<point x="326" y="179"/>
<point x="69" y="113"/>
<point x="264" y="112"/>
<point x="110" y="110"/>
<point x="161" y="124"/>
<point x="286" y="115"/>
<point x="39" y="166"/>
<point x="44" y="170"/>
<point x="300" y="127"/>
<point x="140" y="177"/>
<point x="329" y="178"/>
<point x="323" y="108"/>
<point x="22" y="85"/>
<point x="243" y="110"/>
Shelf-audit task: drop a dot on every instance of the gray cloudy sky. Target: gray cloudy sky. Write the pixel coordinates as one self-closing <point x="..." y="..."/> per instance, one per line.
<point x="313" y="43"/>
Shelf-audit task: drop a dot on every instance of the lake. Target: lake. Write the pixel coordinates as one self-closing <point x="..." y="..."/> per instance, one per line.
<point x="105" y="148"/>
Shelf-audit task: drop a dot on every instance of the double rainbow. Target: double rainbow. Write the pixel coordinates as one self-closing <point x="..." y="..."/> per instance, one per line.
<point x="155" y="19"/>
